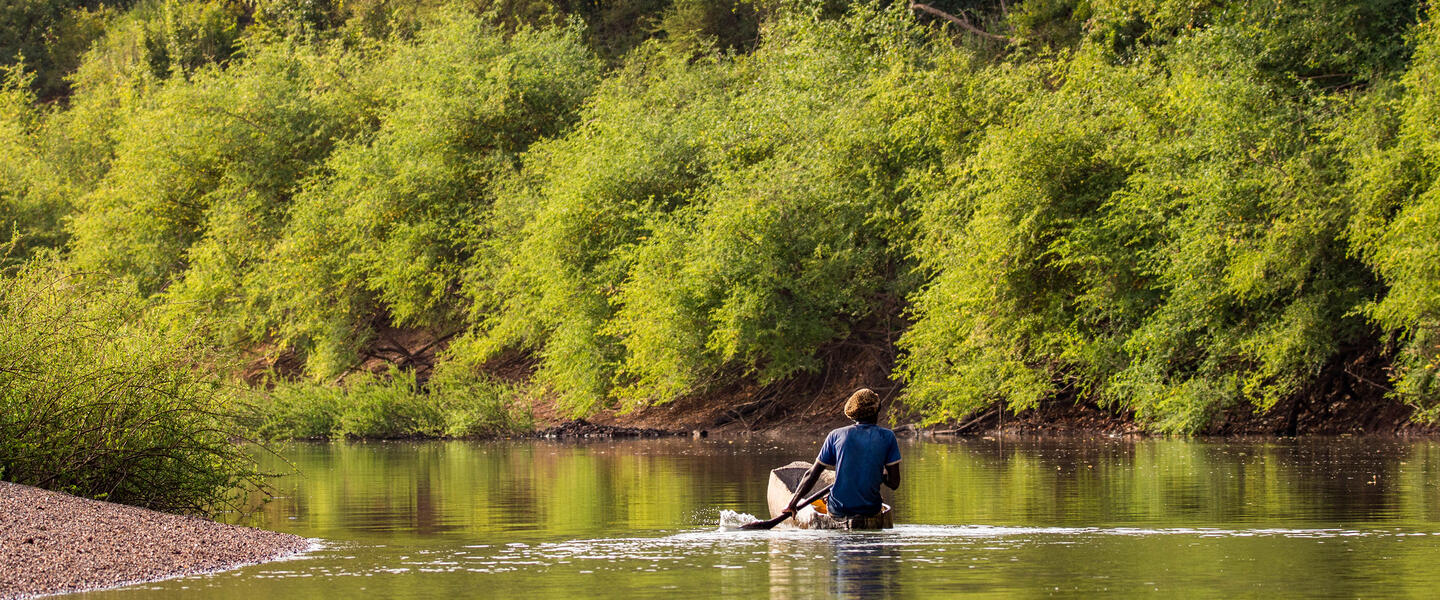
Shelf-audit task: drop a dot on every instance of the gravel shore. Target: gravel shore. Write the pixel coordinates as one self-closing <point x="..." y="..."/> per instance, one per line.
<point x="53" y="543"/>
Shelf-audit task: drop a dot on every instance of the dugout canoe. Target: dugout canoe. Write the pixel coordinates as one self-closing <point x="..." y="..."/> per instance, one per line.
<point x="782" y="487"/>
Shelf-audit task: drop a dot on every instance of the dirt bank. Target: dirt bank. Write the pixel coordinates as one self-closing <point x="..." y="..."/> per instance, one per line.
<point x="580" y="428"/>
<point x="1345" y="400"/>
<point x="53" y="543"/>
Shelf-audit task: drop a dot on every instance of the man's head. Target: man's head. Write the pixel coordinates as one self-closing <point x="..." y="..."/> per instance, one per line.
<point x="863" y="406"/>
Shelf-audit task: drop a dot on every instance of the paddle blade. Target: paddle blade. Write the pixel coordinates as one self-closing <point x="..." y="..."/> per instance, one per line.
<point x="785" y="515"/>
<point x="761" y="525"/>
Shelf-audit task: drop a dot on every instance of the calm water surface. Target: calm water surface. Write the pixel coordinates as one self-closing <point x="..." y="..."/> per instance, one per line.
<point x="636" y="519"/>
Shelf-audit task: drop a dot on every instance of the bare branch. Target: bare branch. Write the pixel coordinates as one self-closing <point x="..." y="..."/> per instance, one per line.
<point x="961" y="21"/>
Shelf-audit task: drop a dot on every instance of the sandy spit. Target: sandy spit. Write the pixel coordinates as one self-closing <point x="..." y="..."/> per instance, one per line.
<point x="54" y="543"/>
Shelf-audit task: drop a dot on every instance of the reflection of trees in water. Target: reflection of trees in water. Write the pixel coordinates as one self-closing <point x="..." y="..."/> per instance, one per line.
<point x="791" y="572"/>
<point x="608" y="495"/>
<point x="1183" y="482"/>
<point x="860" y="566"/>
<point x="476" y="488"/>
<point x="865" y="569"/>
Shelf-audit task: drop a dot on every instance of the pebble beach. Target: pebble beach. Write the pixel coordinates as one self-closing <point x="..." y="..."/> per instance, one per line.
<point x="55" y="543"/>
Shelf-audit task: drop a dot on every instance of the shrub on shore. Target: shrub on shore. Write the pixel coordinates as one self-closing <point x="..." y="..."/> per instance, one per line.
<point x="98" y="401"/>
<point x="388" y="406"/>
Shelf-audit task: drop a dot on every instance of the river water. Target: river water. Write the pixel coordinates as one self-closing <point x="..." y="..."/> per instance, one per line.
<point x="987" y="518"/>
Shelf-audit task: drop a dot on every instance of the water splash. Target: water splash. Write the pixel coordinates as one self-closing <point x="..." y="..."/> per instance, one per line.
<point x="731" y="520"/>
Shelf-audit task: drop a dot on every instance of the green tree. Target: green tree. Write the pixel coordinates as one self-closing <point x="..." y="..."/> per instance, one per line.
<point x="1162" y="236"/>
<point x="383" y="237"/>
<point x="1396" y="182"/>
<point x="50" y="36"/>
<point x="32" y="198"/>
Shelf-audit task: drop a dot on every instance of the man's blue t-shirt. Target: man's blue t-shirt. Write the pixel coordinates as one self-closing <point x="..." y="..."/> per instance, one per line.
<point x="858" y="454"/>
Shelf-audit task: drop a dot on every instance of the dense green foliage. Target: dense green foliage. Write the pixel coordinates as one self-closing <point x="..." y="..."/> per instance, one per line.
<point x="1162" y="235"/>
<point x="308" y="192"/>
<point x="99" y="398"/>
<point x="392" y="405"/>
<point x="396" y="215"/>
<point x="1169" y="208"/>
<point x="1396" y="223"/>
<point x="718" y="218"/>
<point x="50" y="36"/>
<point x="31" y="203"/>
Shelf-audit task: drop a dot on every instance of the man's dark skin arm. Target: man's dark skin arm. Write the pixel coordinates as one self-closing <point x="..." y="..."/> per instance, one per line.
<point x="892" y="479"/>
<point x="806" y="482"/>
<point x="892" y="476"/>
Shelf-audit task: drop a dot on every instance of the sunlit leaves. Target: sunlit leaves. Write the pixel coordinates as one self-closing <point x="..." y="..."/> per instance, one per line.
<point x="1161" y="236"/>
<point x="398" y="215"/>
<point x="723" y="218"/>
<point x="1397" y="226"/>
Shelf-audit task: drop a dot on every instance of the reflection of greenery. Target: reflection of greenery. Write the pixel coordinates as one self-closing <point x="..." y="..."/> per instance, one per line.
<point x="464" y="489"/>
<point x="1162" y="483"/>
<point x="438" y="496"/>
<point x="661" y="484"/>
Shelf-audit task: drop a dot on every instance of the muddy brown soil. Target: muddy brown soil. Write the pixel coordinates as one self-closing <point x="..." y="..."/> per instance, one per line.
<point x="580" y="428"/>
<point x="1059" y="417"/>
<point x="1346" y="400"/>
<point x="805" y="405"/>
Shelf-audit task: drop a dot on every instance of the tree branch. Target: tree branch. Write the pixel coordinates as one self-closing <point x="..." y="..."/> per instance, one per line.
<point x="964" y="24"/>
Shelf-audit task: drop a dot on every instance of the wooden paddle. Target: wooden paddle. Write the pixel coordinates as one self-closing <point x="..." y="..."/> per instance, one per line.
<point x="787" y="514"/>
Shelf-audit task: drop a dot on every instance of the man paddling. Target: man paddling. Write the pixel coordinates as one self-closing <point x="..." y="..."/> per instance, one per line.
<point x="863" y="455"/>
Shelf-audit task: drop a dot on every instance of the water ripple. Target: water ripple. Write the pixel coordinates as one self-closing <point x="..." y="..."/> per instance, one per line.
<point x="724" y="549"/>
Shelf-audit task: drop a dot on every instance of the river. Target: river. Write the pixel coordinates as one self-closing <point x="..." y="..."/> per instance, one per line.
<point x="1339" y="517"/>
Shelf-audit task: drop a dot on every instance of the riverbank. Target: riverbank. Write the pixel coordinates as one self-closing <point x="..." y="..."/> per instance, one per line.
<point x="813" y="412"/>
<point x="55" y="543"/>
<point x="1346" y="400"/>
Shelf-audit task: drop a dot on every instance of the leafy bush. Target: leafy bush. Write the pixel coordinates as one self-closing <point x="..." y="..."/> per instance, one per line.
<point x="32" y="195"/>
<point x="562" y="241"/>
<point x="296" y="410"/>
<point x="98" y="400"/>
<point x="392" y="405"/>
<point x="384" y="235"/>
<point x="50" y="36"/>
<point x="1161" y="236"/>
<point x="203" y="173"/>
<point x="1396" y="182"/>
<point x="474" y="405"/>
<point x="711" y="218"/>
